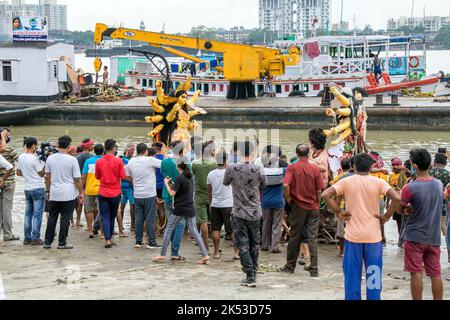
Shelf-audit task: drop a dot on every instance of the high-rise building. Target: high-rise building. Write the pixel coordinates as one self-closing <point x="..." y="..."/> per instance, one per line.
<point x="55" y="13"/>
<point x="294" y="16"/>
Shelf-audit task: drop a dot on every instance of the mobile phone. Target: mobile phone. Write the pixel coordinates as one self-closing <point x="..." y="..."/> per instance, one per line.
<point x="442" y="150"/>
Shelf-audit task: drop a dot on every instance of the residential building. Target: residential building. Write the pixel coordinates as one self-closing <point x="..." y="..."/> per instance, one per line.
<point x="338" y="27"/>
<point x="294" y="16"/>
<point x="431" y="24"/>
<point x="235" y="34"/>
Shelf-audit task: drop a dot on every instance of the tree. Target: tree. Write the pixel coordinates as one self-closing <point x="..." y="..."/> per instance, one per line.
<point x="258" y="36"/>
<point x="203" y="32"/>
<point x="444" y="37"/>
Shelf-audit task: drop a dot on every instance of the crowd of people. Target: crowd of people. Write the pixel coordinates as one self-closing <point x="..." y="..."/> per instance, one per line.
<point x="257" y="201"/>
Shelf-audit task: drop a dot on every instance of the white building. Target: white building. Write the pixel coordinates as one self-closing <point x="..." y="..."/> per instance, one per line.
<point x="235" y="35"/>
<point x="431" y="24"/>
<point x="33" y="71"/>
<point x="294" y="16"/>
<point x="55" y="13"/>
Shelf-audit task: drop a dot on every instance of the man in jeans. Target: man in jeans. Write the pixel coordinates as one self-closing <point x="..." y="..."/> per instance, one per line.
<point x="303" y="186"/>
<point x="63" y="181"/>
<point x="169" y="169"/>
<point x="363" y="240"/>
<point x="422" y="203"/>
<point x="142" y="173"/>
<point x="247" y="180"/>
<point x="30" y="167"/>
<point x="109" y="170"/>
<point x="7" y="191"/>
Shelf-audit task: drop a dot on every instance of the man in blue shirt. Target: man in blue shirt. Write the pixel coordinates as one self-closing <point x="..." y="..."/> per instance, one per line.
<point x="272" y="199"/>
<point x="127" y="194"/>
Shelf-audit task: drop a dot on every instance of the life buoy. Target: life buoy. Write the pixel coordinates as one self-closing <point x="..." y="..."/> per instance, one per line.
<point x="414" y="62"/>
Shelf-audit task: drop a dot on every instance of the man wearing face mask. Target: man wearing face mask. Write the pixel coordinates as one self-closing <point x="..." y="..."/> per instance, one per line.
<point x="7" y="188"/>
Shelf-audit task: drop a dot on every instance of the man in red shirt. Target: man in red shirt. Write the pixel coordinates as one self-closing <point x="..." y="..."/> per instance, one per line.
<point x="110" y="171"/>
<point x="303" y="186"/>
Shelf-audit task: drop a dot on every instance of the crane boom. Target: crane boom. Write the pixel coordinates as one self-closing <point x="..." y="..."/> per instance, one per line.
<point x="242" y="63"/>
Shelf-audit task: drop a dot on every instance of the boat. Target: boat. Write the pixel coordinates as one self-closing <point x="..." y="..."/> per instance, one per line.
<point x="344" y="60"/>
<point x="19" y="114"/>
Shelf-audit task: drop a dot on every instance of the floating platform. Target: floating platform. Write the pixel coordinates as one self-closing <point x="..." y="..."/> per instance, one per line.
<point x="285" y="113"/>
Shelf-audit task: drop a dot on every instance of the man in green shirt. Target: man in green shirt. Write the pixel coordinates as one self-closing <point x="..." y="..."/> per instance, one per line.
<point x="201" y="169"/>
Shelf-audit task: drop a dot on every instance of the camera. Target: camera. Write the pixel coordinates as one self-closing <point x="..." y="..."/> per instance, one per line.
<point x="8" y="139"/>
<point x="45" y="151"/>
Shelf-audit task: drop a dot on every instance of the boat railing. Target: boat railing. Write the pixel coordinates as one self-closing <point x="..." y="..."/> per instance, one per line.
<point x="335" y="68"/>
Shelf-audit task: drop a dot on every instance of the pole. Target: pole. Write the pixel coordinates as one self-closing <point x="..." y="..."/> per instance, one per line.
<point x="342" y="15"/>
<point x="412" y="15"/>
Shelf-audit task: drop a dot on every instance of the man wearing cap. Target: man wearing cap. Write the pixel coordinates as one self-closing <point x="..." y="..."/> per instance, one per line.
<point x="397" y="180"/>
<point x="87" y="145"/>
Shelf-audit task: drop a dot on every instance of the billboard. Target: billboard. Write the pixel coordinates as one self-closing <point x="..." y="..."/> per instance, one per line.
<point x="30" y="29"/>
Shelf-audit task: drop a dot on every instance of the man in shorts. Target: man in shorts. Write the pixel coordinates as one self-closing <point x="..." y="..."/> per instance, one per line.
<point x="221" y="200"/>
<point x="91" y="188"/>
<point x="422" y="202"/>
<point x="201" y="168"/>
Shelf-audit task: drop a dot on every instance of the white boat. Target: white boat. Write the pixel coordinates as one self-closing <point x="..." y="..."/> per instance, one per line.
<point x="345" y="60"/>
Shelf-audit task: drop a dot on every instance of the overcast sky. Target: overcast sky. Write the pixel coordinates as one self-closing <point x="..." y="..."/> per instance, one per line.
<point x="181" y="15"/>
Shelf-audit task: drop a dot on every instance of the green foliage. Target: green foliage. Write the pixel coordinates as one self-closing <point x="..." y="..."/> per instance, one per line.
<point x="258" y="36"/>
<point x="203" y="32"/>
<point x="77" y="38"/>
<point x="444" y="37"/>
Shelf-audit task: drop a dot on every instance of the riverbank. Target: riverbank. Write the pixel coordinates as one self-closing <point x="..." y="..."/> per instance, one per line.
<point x="295" y="113"/>
<point x="91" y="272"/>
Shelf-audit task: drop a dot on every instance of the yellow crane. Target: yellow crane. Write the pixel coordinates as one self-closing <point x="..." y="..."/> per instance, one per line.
<point x="243" y="63"/>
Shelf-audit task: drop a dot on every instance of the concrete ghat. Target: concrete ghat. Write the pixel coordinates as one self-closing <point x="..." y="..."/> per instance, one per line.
<point x="296" y="113"/>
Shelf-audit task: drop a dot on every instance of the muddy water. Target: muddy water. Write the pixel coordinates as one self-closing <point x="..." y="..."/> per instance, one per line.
<point x="388" y="144"/>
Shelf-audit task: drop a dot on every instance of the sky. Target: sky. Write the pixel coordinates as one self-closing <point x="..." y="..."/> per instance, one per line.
<point x="181" y="15"/>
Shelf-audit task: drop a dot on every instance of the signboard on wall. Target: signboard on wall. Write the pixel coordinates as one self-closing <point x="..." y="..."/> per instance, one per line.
<point x="30" y="29"/>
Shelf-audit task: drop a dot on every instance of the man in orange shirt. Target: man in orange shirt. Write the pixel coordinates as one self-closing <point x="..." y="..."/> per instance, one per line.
<point x="363" y="230"/>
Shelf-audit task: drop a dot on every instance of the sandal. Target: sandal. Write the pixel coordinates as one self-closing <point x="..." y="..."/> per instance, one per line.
<point x="123" y="235"/>
<point x="108" y="246"/>
<point x="159" y="259"/>
<point x="178" y="258"/>
<point x="204" y="261"/>
<point x="217" y="256"/>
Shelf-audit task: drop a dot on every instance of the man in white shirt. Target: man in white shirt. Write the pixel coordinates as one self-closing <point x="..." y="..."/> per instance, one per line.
<point x="63" y="181"/>
<point x="141" y="171"/>
<point x="221" y="201"/>
<point x="30" y="167"/>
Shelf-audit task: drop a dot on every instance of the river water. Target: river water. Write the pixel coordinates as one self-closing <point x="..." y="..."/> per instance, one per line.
<point x="388" y="144"/>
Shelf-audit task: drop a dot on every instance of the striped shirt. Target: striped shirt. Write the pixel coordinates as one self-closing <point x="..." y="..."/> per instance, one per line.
<point x="11" y="156"/>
